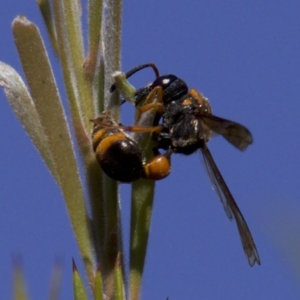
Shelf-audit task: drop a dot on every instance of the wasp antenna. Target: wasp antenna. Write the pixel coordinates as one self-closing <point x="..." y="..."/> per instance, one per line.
<point x="136" y="69"/>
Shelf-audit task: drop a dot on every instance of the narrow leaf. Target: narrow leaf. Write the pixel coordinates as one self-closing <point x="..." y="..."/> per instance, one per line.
<point x="113" y="235"/>
<point x="111" y="31"/>
<point x="24" y="108"/>
<point x="119" y="282"/>
<point x="95" y="23"/>
<point x="68" y="69"/>
<point x="48" y="104"/>
<point x="78" y="285"/>
<point x="93" y="171"/>
<point x="112" y="51"/>
<point x="56" y="280"/>
<point x="68" y="24"/>
<point x="98" y="285"/>
<point x="46" y="12"/>
<point x="142" y="195"/>
<point x="20" y="292"/>
<point x="141" y="212"/>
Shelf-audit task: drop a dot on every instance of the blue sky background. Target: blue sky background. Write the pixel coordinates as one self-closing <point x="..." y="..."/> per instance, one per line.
<point x="245" y="57"/>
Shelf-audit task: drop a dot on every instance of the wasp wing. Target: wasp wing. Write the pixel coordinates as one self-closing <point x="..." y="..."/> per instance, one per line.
<point x="230" y="206"/>
<point x="236" y="134"/>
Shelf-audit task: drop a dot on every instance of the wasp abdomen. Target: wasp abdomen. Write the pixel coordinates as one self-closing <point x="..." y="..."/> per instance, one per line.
<point x="119" y="157"/>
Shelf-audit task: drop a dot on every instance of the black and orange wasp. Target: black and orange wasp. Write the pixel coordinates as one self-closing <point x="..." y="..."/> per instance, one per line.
<point x="184" y="124"/>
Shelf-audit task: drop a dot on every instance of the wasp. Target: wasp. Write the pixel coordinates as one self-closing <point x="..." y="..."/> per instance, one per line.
<point x="120" y="156"/>
<point x="184" y="124"/>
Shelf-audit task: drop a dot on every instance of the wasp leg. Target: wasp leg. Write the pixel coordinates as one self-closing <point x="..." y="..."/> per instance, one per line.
<point x="139" y="129"/>
<point x="153" y="101"/>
